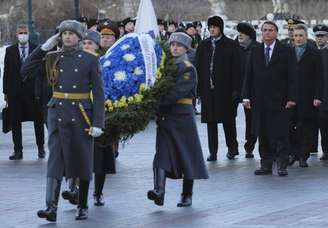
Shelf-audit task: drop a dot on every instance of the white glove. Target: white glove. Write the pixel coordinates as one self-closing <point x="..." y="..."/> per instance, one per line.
<point x="50" y="43"/>
<point x="95" y="132"/>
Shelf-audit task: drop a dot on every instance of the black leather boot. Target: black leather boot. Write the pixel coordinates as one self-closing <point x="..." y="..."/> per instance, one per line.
<point x="82" y="208"/>
<point x="99" y="185"/>
<point x="232" y="152"/>
<point x="52" y="196"/>
<point x="17" y="155"/>
<point x="72" y="195"/>
<point x="186" y="196"/>
<point x="41" y="152"/>
<point x="157" y="195"/>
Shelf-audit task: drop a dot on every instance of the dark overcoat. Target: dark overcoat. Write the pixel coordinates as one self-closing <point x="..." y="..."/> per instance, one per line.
<point x="269" y="87"/>
<point x="178" y="148"/>
<point x="324" y="105"/>
<point x="227" y="82"/>
<point x="70" y="146"/>
<point x="20" y="93"/>
<point x="310" y="83"/>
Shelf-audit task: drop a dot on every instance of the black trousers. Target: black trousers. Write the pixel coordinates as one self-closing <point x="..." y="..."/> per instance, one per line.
<point x="17" y="133"/>
<point x="230" y="134"/>
<point x="249" y="136"/>
<point x="323" y="125"/>
<point x="273" y="149"/>
<point x="303" y="139"/>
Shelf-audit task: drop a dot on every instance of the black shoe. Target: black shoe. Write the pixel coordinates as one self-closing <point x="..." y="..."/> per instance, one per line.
<point x="185" y="201"/>
<point x="282" y="172"/>
<point x="249" y="154"/>
<point x="232" y="152"/>
<point x="17" y="155"/>
<point x="292" y="159"/>
<point x="116" y="154"/>
<point x="81" y="213"/>
<point x="262" y="171"/>
<point x="52" y="197"/>
<point x="157" y="196"/>
<point x="48" y="214"/>
<point x="41" y="153"/>
<point x="72" y="197"/>
<point x="303" y="163"/>
<point x="158" y="193"/>
<point x="324" y="157"/>
<point x="212" y="157"/>
<point x="98" y="200"/>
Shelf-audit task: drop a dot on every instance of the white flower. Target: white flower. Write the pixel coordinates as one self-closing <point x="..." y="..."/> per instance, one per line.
<point x="125" y="46"/>
<point x="120" y="76"/>
<point x="138" y="71"/>
<point x="107" y="63"/>
<point x="129" y="57"/>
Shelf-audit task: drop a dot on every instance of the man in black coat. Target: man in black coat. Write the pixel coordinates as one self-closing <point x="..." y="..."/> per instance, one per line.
<point x="218" y="67"/>
<point x="19" y="94"/>
<point x="270" y="90"/>
<point x="246" y="40"/>
<point x="321" y="33"/>
<point x="309" y="74"/>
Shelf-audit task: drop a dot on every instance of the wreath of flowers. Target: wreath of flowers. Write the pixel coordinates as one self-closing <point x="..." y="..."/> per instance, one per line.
<point x="129" y="104"/>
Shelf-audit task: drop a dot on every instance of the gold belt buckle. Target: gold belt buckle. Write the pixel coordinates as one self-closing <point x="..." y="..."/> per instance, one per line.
<point x="66" y="95"/>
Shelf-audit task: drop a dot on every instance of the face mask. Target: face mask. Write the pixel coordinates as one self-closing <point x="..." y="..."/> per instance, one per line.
<point x="23" y="38"/>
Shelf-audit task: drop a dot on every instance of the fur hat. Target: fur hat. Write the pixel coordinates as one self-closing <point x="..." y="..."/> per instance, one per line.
<point x="73" y="26"/>
<point x="92" y="35"/>
<point x="247" y="29"/>
<point x="216" y="21"/>
<point x="182" y="38"/>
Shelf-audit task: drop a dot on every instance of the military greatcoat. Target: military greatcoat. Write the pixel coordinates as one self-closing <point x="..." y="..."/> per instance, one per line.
<point x="178" y="149"/>
<point x="70" y="145"/>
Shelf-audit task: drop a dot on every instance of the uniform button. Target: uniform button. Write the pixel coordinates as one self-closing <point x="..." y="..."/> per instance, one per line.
<point x="73" y="103"/>
<point x="60" y="103"/>
<point x="73" y="120"/>
<point x="60" y="87"/>
<point x="80" y="56"/>
<point x="60" y="120"/>
<point x="76" y="70"/>
<point x="74" y="86"/>
<point x="61" y="70"/>
<point x="61" y="56"/>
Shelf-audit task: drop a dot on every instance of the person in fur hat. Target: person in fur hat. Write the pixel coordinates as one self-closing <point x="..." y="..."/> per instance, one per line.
<point x="73" y="119"/>
<point x="219" y="86"/>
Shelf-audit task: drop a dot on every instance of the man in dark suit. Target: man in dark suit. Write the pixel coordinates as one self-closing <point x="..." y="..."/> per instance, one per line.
<point x="270" y="90"/>
<point x="309" y="74"/>
<point x="218" y="66"/>
<point x="321" y="33"/>
<point x="19" y="94"/>
<point x="246" y="41"/>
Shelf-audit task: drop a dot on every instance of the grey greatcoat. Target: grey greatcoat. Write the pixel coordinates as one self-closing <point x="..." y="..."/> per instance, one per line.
<point x="70" y="146"/>
<point x="178" y="149"/>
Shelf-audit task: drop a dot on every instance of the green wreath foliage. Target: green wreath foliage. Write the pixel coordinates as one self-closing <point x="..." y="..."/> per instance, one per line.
<point x="124" y="122"/>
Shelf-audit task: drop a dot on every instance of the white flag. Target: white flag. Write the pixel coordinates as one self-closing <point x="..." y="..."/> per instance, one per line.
<point x="146" y="19"/>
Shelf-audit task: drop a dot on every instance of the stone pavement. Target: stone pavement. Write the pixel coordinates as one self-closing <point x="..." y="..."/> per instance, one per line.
<point x="232" y="197"/>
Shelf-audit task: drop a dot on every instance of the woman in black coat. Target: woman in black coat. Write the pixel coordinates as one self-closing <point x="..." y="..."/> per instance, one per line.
<point x="178" y="150"/>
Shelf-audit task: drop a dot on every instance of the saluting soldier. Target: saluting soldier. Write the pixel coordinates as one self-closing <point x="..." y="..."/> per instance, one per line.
<point x="178" y="150"/>
<point x="73" y="119"/>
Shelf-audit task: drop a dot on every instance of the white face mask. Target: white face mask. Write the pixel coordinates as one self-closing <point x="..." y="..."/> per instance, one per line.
<point x="22" y="38"/>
